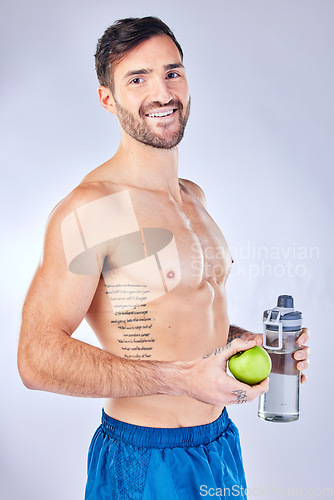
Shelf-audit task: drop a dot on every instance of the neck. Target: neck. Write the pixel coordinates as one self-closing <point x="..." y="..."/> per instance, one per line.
<point x="147" y="167"/>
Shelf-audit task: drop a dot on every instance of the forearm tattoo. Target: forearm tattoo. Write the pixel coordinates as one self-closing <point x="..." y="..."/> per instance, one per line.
<point x="218" y="351"/>
<point x="241" y="396"/>
<point x="235" y="333"/>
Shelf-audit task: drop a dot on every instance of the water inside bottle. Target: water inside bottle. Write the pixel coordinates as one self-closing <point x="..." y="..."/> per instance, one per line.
<point x="281" y="402"/>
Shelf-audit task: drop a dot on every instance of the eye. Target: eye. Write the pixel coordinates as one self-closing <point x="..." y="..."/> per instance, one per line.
<point x="173" y="74"/>
<point x="136" y="81"/>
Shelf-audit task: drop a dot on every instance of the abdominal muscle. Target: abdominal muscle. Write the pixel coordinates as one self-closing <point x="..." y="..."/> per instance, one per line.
<point x="161" y="410"/>
<point x="184" y="326"/>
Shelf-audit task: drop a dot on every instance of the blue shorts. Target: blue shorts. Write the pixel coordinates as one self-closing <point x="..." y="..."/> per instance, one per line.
<point x="128" y="461"/>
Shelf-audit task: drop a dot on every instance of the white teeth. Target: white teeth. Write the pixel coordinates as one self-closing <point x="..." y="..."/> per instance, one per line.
<point x="158" y="115"/>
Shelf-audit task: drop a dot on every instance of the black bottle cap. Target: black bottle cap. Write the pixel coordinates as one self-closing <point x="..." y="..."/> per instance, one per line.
<point x="285" y="301"/>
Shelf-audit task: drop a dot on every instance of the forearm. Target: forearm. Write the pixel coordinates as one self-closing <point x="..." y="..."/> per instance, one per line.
<point x="65" y="365"/>
<point x="68" y="366"/>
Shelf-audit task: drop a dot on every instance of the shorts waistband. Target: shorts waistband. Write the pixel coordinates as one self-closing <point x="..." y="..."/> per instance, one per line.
<point x="154" y="437"/>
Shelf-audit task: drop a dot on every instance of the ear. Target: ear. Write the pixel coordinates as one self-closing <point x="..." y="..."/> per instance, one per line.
<point x="107" y="99"/>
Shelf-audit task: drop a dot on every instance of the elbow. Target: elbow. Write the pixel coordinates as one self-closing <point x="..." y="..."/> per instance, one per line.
<point x="28" y="376"/>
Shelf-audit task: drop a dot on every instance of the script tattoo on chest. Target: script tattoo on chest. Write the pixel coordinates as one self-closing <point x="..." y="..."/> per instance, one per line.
<point x="133" y="320"/>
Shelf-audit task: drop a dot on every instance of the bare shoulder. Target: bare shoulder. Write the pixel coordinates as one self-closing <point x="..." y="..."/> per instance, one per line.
<point x="83" y="194"/>
<point x="100" y="182"/>
<point x="79" y="222"/>
<point x="63" y="229"/>
<point x="196" y="190"/>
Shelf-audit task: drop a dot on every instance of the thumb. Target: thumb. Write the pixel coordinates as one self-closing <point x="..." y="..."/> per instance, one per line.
<point x="231" y="348"/>
<point x="238" y="345"/>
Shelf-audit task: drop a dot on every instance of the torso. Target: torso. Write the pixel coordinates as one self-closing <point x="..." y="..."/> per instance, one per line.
<point x="161" y="295"/>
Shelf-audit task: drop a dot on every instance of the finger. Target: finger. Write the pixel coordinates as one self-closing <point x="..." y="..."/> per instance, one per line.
<point x="302" y="353"/>
<point x="304" y="336"/>
<point x="258" y="339"/>
<point x="235" y="346"/>
<point x="240" y="392"/>
<point x="253" y="336"/>
<point x="303" y="378"/>
<point x="244" y="393"/>
<point x="231" y="348"/>
<point x="302" y="365"/>
<point x="261" y="388"/>
<point x="238" y="345"/>
<point x="240" y="396"/>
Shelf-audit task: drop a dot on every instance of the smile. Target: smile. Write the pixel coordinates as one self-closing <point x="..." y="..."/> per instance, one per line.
<point x="162" y="114"/>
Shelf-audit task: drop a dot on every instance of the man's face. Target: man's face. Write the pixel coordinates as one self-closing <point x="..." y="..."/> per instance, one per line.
<point x="151" y="93"/>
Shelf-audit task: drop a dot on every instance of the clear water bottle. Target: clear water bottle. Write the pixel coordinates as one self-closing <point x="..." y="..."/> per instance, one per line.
<point x="282" y="327"/>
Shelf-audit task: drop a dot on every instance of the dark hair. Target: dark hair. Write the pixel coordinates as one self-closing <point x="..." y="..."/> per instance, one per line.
<point x="120" y="38"/>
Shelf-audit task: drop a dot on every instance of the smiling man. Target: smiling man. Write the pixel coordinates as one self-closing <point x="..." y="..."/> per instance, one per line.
<point x="134" y="251"/>
<point x="153" y="115"/>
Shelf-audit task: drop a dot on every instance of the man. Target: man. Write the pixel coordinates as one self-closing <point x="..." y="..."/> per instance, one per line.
<point x="133" y="250"/>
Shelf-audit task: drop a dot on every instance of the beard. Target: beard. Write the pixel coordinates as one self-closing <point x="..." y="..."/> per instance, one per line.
<point x="139" y="128"/>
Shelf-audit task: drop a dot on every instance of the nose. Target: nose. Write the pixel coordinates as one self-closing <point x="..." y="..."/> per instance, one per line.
<point x="160" y="91"/>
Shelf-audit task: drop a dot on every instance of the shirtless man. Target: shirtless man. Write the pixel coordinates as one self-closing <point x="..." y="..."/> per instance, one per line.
<point x="133" y="250"/>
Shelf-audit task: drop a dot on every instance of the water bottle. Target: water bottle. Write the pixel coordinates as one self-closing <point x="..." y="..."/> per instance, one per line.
<point x="281" y="328"/>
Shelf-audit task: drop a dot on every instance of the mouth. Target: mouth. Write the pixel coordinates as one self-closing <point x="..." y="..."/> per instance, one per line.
<point x="161" y="114"/>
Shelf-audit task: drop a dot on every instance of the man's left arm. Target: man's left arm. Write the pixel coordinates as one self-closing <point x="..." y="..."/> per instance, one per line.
<point x="301" y="355"/>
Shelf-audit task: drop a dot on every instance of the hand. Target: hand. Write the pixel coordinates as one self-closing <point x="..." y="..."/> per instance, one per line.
<point x="301" y="355"/>
<point x="209" y="382"/>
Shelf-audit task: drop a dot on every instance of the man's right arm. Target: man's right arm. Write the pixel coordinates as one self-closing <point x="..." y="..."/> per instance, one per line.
<point x="50" y="359"/>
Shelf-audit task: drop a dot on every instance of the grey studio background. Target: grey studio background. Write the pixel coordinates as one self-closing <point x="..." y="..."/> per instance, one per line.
<point x="260" y="143"/>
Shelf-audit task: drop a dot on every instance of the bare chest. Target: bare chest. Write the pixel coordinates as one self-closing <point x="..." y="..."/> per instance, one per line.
<point x="163" y="245"/>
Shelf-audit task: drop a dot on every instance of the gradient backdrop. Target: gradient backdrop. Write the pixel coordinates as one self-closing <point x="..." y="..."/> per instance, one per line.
<point x="259" y="142"/>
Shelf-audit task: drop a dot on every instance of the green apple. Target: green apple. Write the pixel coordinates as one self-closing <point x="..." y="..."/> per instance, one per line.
<point x="251" y="366"/>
